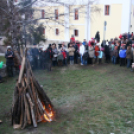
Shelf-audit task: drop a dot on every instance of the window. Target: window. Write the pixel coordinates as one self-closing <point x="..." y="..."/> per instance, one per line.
<point x="43" y="14"/>
<point x="76" y="32"/>
<point x="56" y="14"/>
<point x="57" y="31"/>
<point x="76" y="14"/>
<point x="107" y="10"/>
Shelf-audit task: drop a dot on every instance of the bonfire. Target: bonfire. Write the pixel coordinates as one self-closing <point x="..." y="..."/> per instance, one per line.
<point x="30" y="103"/>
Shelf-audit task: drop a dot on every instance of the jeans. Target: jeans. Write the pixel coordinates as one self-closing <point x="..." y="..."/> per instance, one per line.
<point x="85" y="62"/>
<point x="128" y="63"/>
<point x="114" y="60"/>
<point x="81" y="60"/>
<point x="65" y="61"/>
<point x="71" y="57"/>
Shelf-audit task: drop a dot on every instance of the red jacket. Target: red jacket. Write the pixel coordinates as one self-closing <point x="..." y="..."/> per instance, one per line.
<point x="64" y="54"/>
<point x="97" y="49"/>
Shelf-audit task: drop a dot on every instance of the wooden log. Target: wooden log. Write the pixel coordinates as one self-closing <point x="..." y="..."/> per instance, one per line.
<point x="31" y="108"/>
<point x="22" y="70"/>
<point x="22" y="110"/>
<point x="27" y="112"/>
<point x="42" y="94"/>
<point x="25" y="116"/>
<point x="42" y="109"/>
<point x="14" y="104"/>
<point x="35" y="100"/>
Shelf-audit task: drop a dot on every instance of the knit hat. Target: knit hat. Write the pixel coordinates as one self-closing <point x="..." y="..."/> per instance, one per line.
<point x="132" y="45"/>
<point x="9" y="47"/>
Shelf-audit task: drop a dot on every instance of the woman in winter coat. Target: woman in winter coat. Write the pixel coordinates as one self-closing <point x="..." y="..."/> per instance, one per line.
<point x="115" y="55"/>
<point x="71" y="51"/>
<point x="129" y="56"/>
<point x="9" y="55"/>
<point x="91" y="52"/>
<point x="55" y="54"/>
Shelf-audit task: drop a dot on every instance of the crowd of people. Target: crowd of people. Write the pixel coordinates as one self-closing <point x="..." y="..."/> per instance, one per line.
<point x="117" y="51"/>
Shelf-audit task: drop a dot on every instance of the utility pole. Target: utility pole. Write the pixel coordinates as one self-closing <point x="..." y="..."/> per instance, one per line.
<point x="104" y="31"/>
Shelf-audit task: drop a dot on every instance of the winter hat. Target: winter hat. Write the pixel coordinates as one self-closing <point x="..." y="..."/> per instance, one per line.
<point x="9" y="47"/>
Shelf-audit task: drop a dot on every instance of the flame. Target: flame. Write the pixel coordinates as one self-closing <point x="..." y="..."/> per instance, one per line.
<point x="49" y="114"/>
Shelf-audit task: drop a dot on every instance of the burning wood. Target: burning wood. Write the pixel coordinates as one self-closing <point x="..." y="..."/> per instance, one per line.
<point x="30" y="103"/>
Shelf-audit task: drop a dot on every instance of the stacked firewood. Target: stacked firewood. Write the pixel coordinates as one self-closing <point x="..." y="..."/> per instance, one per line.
<point x="30" y="103"/>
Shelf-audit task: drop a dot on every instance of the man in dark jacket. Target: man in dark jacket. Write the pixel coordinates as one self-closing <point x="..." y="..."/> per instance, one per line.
<point x="9" y="55"/>
<point x="35" y="54"/>
<point x="47" y="55"/>
<point x="76" y="53"/>
<point x="97" y="36"/>
<point x="107" y="53"/>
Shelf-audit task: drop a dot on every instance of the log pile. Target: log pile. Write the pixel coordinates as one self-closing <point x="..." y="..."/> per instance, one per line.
<point x="30" y="103"/>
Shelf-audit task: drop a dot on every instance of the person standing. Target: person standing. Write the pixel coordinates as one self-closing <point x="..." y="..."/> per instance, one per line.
<point x="9" y="55"/>
<point x="122" y="54"/>
<point x="129" y="56"/>
<point x="47" y="58"/>
<point x="97" y="49"/>
<point x="64" y="53"/>
<point x="35" y="54"/>
<point x="85" y="55"/>
<point x="82" y="51"/>
<point x="55" y="54"/>
<point x="97" y="37"/>
<point x="107" y="53"/>
<point x="115" y="55"/>
<point x="72" y="39"/>
<point x="75" y="53"/>
<point x="71" y="51"/>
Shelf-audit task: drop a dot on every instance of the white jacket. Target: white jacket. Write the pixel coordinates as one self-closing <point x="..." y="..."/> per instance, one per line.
<point x="82" y="50"/>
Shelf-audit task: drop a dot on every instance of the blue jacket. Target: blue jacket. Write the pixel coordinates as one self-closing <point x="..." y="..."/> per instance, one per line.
<point x="122" y="53"/>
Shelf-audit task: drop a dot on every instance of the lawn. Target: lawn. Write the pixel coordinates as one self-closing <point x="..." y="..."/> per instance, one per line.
<point x="89" y="100"/>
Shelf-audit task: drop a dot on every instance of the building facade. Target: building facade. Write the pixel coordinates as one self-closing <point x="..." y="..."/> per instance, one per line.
<point x="83" y="20"/>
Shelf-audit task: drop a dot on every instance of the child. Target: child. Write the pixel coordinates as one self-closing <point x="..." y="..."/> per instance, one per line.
<point x="122" y="54"/>
<point x="71" y="51"/>
<point x="97" y="49"/>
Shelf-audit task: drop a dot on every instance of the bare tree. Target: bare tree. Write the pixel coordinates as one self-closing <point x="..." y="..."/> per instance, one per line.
<point x="13" y="27"/>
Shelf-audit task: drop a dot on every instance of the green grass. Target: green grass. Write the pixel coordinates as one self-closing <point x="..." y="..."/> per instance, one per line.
<point x="89" y="100"/>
